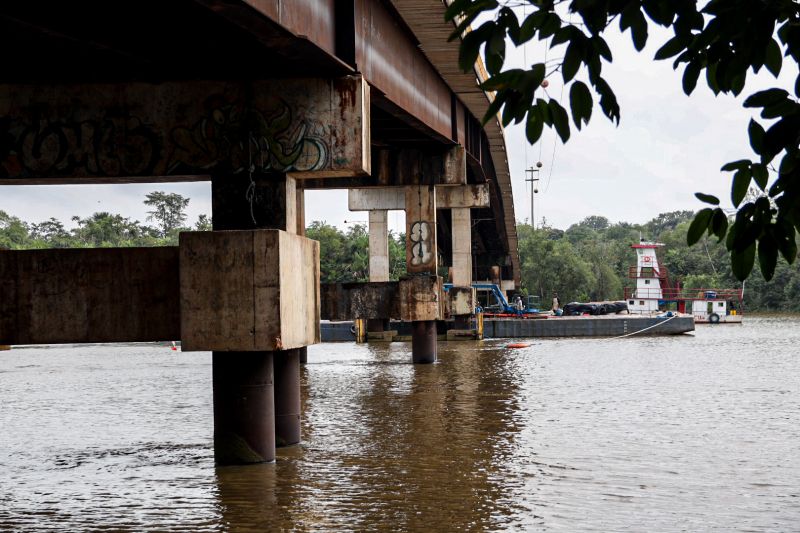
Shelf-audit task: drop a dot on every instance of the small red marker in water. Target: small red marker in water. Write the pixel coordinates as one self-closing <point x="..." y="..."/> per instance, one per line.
<point x="174" y="347"/>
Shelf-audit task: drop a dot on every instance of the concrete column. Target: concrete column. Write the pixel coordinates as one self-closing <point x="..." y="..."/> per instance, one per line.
<point x="462" y="256"/>
<point x="287" y="397"/>
<point x="462" y="246"/>
<point x="378" y="258"/>
<point x="423" y="341"/>
<point x="300" y="211"/>
<point x="422" y="259"/>
<point x="379" y="245"/>
<point x="245" y="407"/>
<point x="303" y="355"/>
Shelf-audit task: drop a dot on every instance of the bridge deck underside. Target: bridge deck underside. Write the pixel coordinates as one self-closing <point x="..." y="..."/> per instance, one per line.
<point x="154" y="41"/>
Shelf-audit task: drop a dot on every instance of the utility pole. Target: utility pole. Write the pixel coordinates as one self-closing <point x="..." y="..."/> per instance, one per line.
<point x="534" y="181"/>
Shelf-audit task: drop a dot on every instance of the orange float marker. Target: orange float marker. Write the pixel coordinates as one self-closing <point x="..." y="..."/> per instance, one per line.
<point x="517" y="345"/>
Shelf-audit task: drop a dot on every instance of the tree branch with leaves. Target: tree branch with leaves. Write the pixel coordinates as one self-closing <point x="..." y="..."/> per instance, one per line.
<point x="725" y="39"/>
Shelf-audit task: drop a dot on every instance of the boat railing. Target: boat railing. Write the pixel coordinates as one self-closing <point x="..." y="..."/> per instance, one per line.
<point x="647" y="272"/>
<point x="676" y="294"/>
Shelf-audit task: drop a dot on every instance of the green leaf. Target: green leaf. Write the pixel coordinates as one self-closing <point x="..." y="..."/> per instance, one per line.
<point x="735" y="165"/>
<point x="530" y="25"/>
<point x="711" y="78"/>
<point x="760" y="175"/>
<point x="580" y="101"/>
<point x="781" y="135"/>
<point x="534" y="125"/>
<point x="608" y="101"/>
<point x="495" y="51"/>
<point x="787" y="244"/>
<point x="494" y="107"/>
<point x="505" y="80"/>
<point x="690" y="76"/>
<point x="572" y="61"/>
<point x="699" y="225"/>
<point x="773" y="60"/>
<point x="765" y="98"/>
<point x="550" y="25"/>
<point x="471" y="45"/>
<point x="742" y="261"/>
<point x="602" y="48"/>
<point x="632" y="18"/>
<point x="563" y="35"/>
<point x="560" y="120"/>
<point x="672" y="47"/>
<point x="537" y="74"/>
<point x="545" y="110"/>
<point x="741" y="182"/>
<point x="719" y="224"/>
<point x="767" y="256"/>
<point x="788" y="164"/>
<point x="756" y="134"/>
<point x="707" y="198"/>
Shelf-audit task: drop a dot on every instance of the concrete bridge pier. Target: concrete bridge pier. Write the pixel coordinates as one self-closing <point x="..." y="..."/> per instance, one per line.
<point x="244" y="407"/>
<point x="422" y="264"/>
<point x="256" y="393"/>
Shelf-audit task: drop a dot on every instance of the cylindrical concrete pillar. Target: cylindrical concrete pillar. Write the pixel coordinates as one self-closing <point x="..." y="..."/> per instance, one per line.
<point x="423" y="341"/>
<point x="244" y="408"/>
<point x="303" y="355"/>
<point x="287" y="397"/>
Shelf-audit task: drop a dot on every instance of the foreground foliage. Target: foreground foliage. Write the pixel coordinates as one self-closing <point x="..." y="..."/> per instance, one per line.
<point x="723" y="39"/>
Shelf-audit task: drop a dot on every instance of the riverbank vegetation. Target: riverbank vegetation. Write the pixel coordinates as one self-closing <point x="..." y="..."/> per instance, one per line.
<point x="590" y="261"/>
<point x="587" y="261"/>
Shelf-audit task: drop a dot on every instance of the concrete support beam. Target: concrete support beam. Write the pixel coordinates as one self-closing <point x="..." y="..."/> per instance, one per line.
<point x="378" y="246"/>
<point x="89" y="295"/>
<point x="351" y="301"/>
<point x="394" y="198"/>
<point x="114" y="133"/>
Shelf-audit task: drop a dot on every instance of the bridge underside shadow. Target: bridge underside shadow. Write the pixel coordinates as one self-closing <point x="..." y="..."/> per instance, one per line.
<point x="265" y="100"/>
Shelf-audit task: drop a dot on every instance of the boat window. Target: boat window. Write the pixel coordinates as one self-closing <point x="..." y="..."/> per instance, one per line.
<point x="641" y="302"/>
<point x="630" y="302"/>
<point x="722" y="304"/>
<point x="647" y="282"/>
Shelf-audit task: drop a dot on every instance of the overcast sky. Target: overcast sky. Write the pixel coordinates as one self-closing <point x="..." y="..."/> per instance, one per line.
<point x="666" y="148"/>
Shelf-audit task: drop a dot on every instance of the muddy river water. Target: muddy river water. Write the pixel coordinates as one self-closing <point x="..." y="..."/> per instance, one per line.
<point x="686" y="433"/>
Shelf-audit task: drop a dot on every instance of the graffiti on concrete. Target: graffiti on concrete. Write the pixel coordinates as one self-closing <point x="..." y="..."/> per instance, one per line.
<point x="110" y="146"/>
<point x="226" y="136"/>
<point x="248" y="138"/>
<point x="421" y="238"/>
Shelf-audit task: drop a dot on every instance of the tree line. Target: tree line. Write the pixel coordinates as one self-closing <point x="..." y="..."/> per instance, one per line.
<point x="588" y="261"/>
<point x="103" y="229"/>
